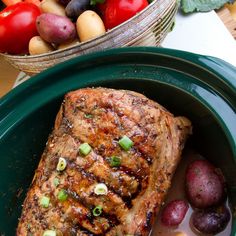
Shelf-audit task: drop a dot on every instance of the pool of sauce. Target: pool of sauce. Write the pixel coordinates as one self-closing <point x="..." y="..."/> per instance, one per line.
<point x="177" y="192"/>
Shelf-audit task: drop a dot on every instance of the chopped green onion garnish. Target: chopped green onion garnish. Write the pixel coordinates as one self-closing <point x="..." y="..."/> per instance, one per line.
<point x="49" y="233"/>
<point x="85" y="149"/>
<point x="97" y="211"/>
<point x="56" y="182"/>
<point x="88" y="116"/>
<point x="126" y="143"/>
<point x="61" y="165"/>
<point x="101" y="189"/>
<point x="62" y="195"/>
<point x="115" y="161"/>
<point x="44" y="201"/>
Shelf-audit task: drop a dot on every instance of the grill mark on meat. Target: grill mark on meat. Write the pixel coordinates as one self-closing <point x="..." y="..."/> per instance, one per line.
<point x="105" y="218"/>
<point x="89" y="201"/>
<point x="96" y="166"/>
<point x="123" y="120"/>
<point x="111" y="177"/>
<point x="126" y="119"/>
<point x="77" y="213"/>
<point x="125" y="202"/>
<point x="82" y="186"/>
<point x="88" y="163"/>
<point x="79" y="206"/>
<point x="124" y="123"/>
<point x="100" y="150"/>
<point x="106" y="108"/>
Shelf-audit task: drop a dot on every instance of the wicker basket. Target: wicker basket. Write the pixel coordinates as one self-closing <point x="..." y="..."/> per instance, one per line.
<point x="147" y="28"/>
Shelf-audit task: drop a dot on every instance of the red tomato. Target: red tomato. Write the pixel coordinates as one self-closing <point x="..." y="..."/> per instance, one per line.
<point x="17" y="27"/>
<point x="114" y="12"/>
<point x="11" y="2"/>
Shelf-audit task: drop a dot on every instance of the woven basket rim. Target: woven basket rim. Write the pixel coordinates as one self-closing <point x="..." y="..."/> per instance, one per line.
<point x="111" y="34"/>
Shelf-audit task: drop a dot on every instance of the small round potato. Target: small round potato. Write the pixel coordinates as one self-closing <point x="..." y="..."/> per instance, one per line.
<point x="38" y="46"/>
<point x="205" y="186"/>
<point x="89" y="25"/>
<point x="52" y="6"/>
<point x="174" y="213"/>
<point x="211" y="221"/>
<point x="55" y="29"/>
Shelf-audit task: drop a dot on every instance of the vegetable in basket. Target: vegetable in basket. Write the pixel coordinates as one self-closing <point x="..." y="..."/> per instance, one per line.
<point x="62" y="22"/>
<point x="14" y="38"/>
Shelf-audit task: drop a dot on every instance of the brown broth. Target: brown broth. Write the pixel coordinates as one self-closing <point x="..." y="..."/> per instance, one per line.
<point x="177" y="192"/>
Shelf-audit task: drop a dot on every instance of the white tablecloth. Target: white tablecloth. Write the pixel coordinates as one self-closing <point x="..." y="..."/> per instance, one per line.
<point x="202" y="33"/>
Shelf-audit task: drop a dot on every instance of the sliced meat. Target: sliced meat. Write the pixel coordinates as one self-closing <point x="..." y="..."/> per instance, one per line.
<point x="135" y="186"/>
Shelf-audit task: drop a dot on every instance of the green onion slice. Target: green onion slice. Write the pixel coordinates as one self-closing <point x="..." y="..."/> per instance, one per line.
<point x="88" y="116"/>
<point x="101" y="189"/>
<point x="49" y="233"/>
<point x="61" y="165"/>
<point x="97" y="211"/>
<point x="56" y="182"/>
<point x="126" y="143"/>
<point x="44" y="201"/>
<point x="62" y="195"/>
<point x="85" y="149"/>
<point x="115" y="161"/>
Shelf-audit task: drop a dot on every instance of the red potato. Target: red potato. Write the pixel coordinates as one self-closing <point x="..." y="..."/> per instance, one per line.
<point x="174" y="213"/>
<point x="55" y="29"/>
<point x="211" y="221"/>
<point x="204" y="184"/>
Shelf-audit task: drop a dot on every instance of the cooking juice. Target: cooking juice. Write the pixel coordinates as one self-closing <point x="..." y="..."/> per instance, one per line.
<point x="177" y="191"/>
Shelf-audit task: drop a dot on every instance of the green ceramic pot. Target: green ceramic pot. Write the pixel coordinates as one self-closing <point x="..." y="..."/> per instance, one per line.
<point x="201" y="88"/>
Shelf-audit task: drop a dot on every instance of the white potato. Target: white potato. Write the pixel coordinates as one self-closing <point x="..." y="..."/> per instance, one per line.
<point x="89" y="25"/>
<point x="52" y="6"/>
<point x="38" y="46"/>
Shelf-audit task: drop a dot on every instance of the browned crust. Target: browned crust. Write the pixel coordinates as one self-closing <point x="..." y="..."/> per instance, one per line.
<point x="136" y="189"/>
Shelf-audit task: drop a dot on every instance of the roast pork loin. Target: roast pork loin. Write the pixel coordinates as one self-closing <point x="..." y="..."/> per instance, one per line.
<point x="106" y="168"/>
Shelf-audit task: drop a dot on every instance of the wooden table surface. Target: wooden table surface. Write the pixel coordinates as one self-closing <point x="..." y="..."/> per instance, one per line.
<point x="8" y="73"/>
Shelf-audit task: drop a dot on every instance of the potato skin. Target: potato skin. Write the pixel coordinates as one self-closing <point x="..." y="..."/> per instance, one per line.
<point x="55" y="29"/>
<point x="70" y="44"/>
<point x="38" y="46"/>
<point x="211" y="221"/>
<point x="52" y="6"/>
<point x="174" y="212"/>
<point x="76" y="7"/>
<point x="204" y="184"/>
<point x="89" y="25"/>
